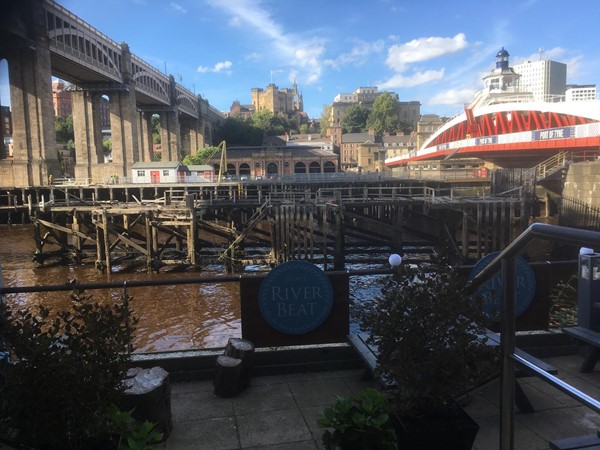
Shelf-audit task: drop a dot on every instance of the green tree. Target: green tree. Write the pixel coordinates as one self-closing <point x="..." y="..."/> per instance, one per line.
<point x="304" y="129"/>
<point x="238" y="131"/>
<point x="155" y="129"/>
<point x="406" y="127"/>
<point x="325" y="120"/>
<point x="107" y="145"/>
<point x="263" y="120"/>
<point x="64" y="128"/>
<point x="384" y="117"/>
<point x="355" y="119"/>
<point x="202" y="156"/>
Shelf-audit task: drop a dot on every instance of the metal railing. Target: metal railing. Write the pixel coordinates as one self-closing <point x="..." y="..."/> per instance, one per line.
<point x="506" y="262"/>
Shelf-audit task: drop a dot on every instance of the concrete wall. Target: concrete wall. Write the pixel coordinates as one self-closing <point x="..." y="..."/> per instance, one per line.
<point x="583" y="182"/>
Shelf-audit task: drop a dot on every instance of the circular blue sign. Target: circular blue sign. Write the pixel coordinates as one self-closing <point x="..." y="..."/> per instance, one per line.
<point x="295" y="297"/>
<point x="492" y="291"/>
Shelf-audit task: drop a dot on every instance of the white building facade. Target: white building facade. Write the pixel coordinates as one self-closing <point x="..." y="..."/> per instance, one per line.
<point x="545" y="79"/>
<point x="580" y="93"/>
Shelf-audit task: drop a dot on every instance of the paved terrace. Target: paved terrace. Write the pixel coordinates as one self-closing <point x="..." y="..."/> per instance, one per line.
<point x="280" y="411"/>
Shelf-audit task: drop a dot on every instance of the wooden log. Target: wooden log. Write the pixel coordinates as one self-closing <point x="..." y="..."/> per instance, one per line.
<point x="242" y="349"/>
<point x="148" y="393"/>
<point x="228" y="376"/>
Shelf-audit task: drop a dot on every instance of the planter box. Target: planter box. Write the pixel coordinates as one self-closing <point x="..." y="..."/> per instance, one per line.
<point x="451" y="429"/>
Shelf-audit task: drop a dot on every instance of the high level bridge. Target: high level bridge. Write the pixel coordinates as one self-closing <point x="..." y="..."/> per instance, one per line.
<point x="41" y="39"/>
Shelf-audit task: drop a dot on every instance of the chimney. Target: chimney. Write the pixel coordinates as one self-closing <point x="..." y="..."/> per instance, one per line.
<point x="371" y="130"/>
<point x="399" y="133"/>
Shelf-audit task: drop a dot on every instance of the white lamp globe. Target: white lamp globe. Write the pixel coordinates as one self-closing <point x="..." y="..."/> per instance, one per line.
<point x="395" y="260"/>
<point x="586" y="251"/>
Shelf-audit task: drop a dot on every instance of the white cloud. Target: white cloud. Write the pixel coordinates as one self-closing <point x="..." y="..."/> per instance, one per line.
<point x="401" y="81"/>
<point x="423" y="49"/>
<point x="358" y="54"/>
<point x="220" y="67"/>
<point x="177" y="7"/>
<point x="554" y="54"/>
<point x="453" y="97"/>
<point x="289" y="49"/>
<point x="235" y="22"/>
<point x="254" y="57"/>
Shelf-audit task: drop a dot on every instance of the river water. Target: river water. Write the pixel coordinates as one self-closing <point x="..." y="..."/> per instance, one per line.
<point x="171" y="318"/>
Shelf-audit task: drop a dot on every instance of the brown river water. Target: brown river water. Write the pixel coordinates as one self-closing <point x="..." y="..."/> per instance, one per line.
<point x="178" y="317"/>
<point x="171" y="318"/>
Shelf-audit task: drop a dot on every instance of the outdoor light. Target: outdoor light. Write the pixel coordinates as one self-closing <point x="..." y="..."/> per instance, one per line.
<point x="395" y="260"/>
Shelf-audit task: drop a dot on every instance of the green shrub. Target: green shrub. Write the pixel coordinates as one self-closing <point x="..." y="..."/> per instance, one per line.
<point x="563" y="303"/>
<point x="65" y="372"/>
<point x="359" y="422"/>
<point x="428" y="333"/>
<point x="134" y="435"/>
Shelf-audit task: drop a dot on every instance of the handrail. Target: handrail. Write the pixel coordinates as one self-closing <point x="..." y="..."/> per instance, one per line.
<point x="506" y="262"/>
<point x="166" y="282"/>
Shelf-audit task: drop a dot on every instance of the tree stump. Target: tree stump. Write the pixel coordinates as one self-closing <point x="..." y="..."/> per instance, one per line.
<point x="244" y="350"/>
<point x="228" y="376"/>
<point x="148" y="393"/>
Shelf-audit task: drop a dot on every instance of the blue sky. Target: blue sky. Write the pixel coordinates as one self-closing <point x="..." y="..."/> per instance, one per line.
<point x="435" y="52"/>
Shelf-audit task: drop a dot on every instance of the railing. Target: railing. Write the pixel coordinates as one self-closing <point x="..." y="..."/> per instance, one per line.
<point x="506" y="262"/>
<point x="578" y="214"/>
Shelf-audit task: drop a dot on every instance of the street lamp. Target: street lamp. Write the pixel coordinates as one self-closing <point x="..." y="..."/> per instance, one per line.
<point x="395" y="260"/>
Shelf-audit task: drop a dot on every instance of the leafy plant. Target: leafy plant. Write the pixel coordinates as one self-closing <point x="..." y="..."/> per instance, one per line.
<point x="563" y="301"/>
<point x="428" y="332"/>
<point x="66" y="370"/>
<point x="135" y="435"/>
<point x="360" y="422"/>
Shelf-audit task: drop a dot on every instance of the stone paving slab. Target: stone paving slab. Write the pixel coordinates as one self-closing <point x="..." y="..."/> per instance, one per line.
<point x="280" y="412"/>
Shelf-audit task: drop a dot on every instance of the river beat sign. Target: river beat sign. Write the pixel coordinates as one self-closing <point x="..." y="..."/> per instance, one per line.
<point x="296" y="297"/>
<point x="295" y="303"/>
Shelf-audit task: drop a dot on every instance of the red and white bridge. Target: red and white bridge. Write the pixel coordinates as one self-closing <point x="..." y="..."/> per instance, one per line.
<point x="513" y="133"/>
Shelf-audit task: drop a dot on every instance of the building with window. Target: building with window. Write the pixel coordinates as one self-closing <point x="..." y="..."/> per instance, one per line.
<point x="350" y="147"/>
<point x="580" y="92"/>
<point x="545" y="79"/>
<point x="409" y="112"/>
<point x="285" y="101"/>
<point x="158" y="172"/>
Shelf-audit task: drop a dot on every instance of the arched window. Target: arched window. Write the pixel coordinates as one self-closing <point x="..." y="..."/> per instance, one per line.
<point x="300" y="167"/>
<point x="329" y="167"/>
<point x="314" y="167"/>
<point x="272" y="170"/>
<point x="244" y="169"/>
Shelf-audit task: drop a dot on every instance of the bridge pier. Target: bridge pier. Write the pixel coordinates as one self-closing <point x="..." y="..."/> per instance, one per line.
<point x="35" y="155"/>
<point x="88" y="135"/>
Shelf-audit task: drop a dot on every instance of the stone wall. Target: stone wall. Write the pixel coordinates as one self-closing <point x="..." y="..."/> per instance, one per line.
<point x="583" y="182"/>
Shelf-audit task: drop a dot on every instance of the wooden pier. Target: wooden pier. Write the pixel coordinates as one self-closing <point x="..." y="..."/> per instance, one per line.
<point x="243" y="224"/>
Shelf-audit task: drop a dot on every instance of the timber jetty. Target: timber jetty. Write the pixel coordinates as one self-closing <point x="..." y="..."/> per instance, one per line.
<point x="261" y="221"/>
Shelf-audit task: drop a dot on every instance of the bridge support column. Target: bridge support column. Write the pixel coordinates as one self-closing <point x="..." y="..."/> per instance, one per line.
<point x="170" y="141"/>
<point x="88" y="135"/>
<point x="191" y="136"/>
<point x="145" y="144"/>
<point x="123" y="132"/>
<point x="123" y="121"/>
<point x="169" y="123"/>
<point x="35" y="155"/>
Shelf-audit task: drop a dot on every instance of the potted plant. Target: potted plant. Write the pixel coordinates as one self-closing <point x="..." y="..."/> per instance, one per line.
<point x="359" y="422"/>
<point x="429" y="335"/>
